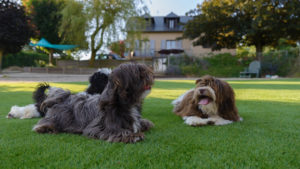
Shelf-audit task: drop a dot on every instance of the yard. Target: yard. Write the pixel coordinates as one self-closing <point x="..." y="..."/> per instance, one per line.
<point x="269" y="136"/>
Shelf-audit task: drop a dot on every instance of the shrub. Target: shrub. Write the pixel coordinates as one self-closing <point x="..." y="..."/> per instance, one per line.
<point x="25" y="58"/>
<point x="279" y="62"/>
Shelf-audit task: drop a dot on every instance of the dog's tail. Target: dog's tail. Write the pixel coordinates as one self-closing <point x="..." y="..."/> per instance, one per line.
<point x="98" y="81"/>
<point x="39" y="96"/>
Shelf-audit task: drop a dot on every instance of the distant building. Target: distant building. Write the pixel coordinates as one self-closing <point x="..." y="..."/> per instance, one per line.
<point x="162" y="32"/>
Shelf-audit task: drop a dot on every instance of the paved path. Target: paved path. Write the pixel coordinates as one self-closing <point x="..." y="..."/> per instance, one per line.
<point x="42" y="77"/>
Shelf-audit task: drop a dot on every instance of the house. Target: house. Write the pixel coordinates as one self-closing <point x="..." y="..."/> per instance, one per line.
<point x="162" y="32"/>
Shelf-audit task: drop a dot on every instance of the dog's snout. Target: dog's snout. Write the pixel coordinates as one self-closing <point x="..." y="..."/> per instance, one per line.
<point x="202" y="91"/>
<point x="10" y="116"/>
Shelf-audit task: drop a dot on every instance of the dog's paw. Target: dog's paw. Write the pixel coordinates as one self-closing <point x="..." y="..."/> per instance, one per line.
<point x="195" y="121"/>
<point x="44" y="129"/>
<point x="146" y="125"/>
<point x="133" y="138"/>
<point x="220" y="121"/>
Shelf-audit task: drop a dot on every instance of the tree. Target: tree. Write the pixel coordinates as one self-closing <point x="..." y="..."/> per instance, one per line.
<point x="46" y="16"/>
<point x="97" y="22"/>
<point x="118" y="48"/>
<point x="15" y="29"/>
<point x="230" y="23"/>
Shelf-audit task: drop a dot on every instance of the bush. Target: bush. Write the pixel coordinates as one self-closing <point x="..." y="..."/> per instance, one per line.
<point x="25" y="58"/>
<point x="221" y="65"/>
<point x="279" y="62"/>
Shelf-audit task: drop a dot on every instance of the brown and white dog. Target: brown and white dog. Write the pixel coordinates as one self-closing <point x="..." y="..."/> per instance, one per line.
<point x="211" y="102"/>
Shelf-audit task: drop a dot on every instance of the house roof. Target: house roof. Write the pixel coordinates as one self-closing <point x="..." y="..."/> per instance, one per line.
<point x="172" y="15"/>
<point x="159" y="23"/>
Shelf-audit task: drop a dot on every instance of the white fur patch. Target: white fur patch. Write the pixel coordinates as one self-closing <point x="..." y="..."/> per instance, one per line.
<point x="198" y="121"/>
<point x="195" y="121"/>
<point x="146" y="93"/>
<point x="106" y="71"/>
<point x="25" y="112"/>
<point x="219" y="121"/>
<point x="209" y="109"/>
<point x="180" y="98"/>
<point x="135" y="115"/>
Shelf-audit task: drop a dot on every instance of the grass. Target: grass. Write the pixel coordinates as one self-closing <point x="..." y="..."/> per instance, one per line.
<point x="269" y="136"/>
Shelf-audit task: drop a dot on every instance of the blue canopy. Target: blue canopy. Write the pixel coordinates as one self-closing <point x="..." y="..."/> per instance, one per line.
<point x="44" y="43"/>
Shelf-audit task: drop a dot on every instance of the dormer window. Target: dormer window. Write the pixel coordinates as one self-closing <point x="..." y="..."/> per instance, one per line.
<point x="171" y="23"/>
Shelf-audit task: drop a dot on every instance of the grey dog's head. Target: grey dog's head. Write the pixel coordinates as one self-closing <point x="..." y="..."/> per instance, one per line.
<point x="131" y="82"/>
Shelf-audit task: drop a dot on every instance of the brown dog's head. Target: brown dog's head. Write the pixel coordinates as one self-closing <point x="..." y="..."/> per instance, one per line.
<point x="214" y="96"/>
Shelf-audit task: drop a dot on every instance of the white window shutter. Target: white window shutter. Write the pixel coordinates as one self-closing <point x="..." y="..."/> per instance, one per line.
<point x="179" y="44"/>
<point x="152" y="47"/>
<point x="163" y="44"/>
<point x="137" y="44"/>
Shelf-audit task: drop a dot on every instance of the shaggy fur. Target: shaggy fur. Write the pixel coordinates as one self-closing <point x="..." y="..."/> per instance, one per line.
<point x="98" y="81"/>
<point x="115" y="115"/>
<point x="24" y="112"/>
<point x="211" y="102"/>
<point x="39" y="96"/>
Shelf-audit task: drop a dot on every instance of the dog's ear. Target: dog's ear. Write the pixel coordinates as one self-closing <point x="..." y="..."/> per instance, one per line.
<point x="119" y="84"/>
<point x="227" y="107"/>
<point x="198" y="80"/>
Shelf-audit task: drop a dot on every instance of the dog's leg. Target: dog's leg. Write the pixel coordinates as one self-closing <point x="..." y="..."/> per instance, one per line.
<point x="218" y="121"/>
<point x="44" y="126"/>
<point x="146" y="125"/>
<point x="126" y="136"/>
<point x="27" y="115"/>
<point x="197" y="121"/>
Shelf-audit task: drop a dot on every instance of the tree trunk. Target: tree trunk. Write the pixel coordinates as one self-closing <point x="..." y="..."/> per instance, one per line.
<point x="51" y="57"/>
<point x="92" y="60"/>
<point x="1" y="55"/>
<point x="259" y="50"/>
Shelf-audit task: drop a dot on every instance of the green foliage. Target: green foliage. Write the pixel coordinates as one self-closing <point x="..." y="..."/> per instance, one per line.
<point x="118" y="48"/>
<point x="279" y="62"/>
<point x="74" y="24"/>
<point x="46" y="17"/>
<point x="100" y="22"/>
<point x="220" y="65"/>
<point x="25" y="58"/>
<point x="268" y="137"/>
<point x="231" y="23"/>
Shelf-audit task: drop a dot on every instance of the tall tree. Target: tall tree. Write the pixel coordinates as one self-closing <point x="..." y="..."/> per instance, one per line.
<point x="46" y="16"/>
<point x="227" y="24"/>
<point x="97" y="22"/>
<point x="15" y="29"/>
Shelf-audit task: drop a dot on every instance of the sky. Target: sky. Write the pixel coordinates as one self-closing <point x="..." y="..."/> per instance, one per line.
<point x="164" y="7"/>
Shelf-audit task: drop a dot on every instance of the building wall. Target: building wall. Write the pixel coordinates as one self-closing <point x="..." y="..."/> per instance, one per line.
<point x="186" y="44"/>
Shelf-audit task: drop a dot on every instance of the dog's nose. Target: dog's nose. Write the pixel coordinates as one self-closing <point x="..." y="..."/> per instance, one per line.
<point x="202" y="91"/>
<point x="10" y="116"/>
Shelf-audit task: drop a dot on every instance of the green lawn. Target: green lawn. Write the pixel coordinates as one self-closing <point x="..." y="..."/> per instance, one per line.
<point x="269" y="136"/>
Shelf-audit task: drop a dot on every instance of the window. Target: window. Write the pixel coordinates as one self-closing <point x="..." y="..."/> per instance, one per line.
<point x="171" y="44"/>
<point x="171" y="24"/>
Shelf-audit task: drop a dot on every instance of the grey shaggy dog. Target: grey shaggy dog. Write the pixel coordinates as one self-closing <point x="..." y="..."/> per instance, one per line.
<point x="114" y="116"/>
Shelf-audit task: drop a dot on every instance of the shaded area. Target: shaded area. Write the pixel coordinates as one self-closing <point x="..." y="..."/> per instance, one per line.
<point x="186" y="85"/>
